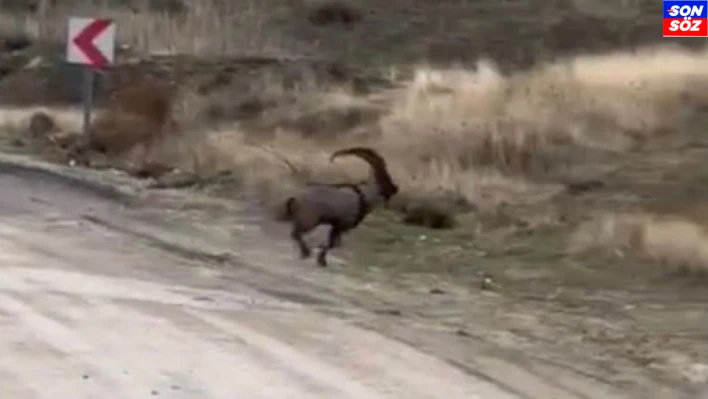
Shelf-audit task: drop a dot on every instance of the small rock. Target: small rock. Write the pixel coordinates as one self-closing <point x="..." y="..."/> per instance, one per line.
<point x="85" y="377"/>
<point x="392" y="312"/>
<point x="154" y="393"/>
<point x="203" y="299"/>
<point x="489" y="284"/>
<point x="437" y="291"/>
<point x="463" y="333"/>
<point x="579" y="187"/>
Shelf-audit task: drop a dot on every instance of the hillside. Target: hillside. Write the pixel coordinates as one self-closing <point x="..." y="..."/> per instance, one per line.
<point x="553" y="152"/>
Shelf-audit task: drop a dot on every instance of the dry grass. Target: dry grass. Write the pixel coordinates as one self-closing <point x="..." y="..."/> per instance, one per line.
<point x="675" y="242"/>
<point x="471" y="135"/>
<point x="443" y="125"/>
<point x="137" y="112"/>
<point x="67" y="119"/>
<point x="204" y="28"/>
<point x="454" y="137"/>
<point x="446" y="128"/>
<point x="463" y="118"/>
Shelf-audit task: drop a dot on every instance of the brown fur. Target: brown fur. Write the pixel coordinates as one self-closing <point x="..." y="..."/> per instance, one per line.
<point x="341" y="206"/>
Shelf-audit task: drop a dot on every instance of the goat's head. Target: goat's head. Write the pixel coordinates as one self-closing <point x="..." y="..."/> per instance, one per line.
<point x="387" y="188"/>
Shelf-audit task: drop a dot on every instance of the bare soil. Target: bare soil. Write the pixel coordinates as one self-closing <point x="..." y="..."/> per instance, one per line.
<point x="529" y="338"/>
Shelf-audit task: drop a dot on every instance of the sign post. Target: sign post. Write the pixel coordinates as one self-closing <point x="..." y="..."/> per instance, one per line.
<point x="91" y="43"/>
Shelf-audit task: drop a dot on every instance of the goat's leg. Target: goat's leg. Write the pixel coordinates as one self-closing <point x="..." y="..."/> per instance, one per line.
<point x="333" y="241"/>
<point x="296" y="234"/>
<point x="335" y="237"/>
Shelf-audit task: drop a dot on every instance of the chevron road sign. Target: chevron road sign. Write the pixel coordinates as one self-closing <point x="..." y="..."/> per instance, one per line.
<point x="90" y="43"/>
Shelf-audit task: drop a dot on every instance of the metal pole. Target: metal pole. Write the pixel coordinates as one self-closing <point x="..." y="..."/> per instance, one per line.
<point x="89" y="76"/>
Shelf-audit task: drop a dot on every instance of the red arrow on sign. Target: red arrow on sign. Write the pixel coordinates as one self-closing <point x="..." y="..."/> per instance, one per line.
<point x="84" y="42"/>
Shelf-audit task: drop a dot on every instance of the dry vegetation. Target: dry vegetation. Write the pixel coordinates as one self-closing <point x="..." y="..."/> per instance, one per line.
<point x="164" y="27"/>
<point x="562" y="162"/>
<point x="679" y="244"/>
<point x="475" y="134"/>
<point x="457" y="139"/>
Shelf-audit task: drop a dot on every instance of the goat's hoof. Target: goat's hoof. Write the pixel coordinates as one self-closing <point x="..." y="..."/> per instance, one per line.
<point x="322" y="262"/>
<point x="305" y="254"/>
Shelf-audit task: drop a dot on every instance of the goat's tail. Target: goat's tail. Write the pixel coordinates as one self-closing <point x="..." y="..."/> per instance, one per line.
<point x="287" y="210"/>
<point x="290" y="207"/>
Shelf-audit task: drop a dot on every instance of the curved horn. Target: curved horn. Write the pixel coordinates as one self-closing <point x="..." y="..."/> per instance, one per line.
<point x="365" y="153"/>
<point x="377" y="163"/>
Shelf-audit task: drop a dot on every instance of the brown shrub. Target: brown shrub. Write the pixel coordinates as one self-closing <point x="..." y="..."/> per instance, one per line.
<point x="15" y="42"/>
<point x="147" y="98"/>
<point x="436" y="129"/>
<point x="41" y="124"/>
<point x="333" y="12"/>
<point x="430" y="215"/>
<point x="117" y="132"/>
<point x="136" y="113"/>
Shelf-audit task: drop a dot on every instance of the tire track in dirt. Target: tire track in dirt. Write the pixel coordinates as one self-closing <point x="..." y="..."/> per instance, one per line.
<point x="256" y="265"/>
<point x="107" y="315"/>
<point x="147" y="243"/>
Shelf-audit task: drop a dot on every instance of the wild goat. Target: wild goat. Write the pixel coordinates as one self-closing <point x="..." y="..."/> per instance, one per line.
<point x="342" y="206"/>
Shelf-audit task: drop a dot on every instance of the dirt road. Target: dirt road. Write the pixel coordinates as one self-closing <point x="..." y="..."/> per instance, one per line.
<point x="88" y="313"/>
<point x="101" y="297"/>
